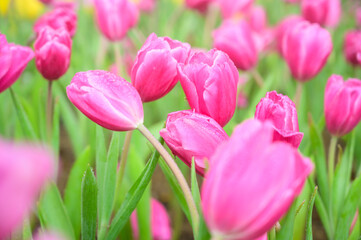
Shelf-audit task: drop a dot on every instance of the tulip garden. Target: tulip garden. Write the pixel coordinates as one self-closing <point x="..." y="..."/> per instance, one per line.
<point x="180" y="119"/>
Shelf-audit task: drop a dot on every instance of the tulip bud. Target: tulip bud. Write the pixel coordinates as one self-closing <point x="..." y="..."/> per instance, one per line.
<point x="116" y="17"/>
<point x="154" y="73"/>
<point x="146" y="5"/>
<point x="160" y="222"/>
<point x="283" y="27"/>
<point x="209" y="81"/>
<point x="323" y="12"/>
<point x="106" y="99"/>
<point x="352" y="47"/>
<point x="257" y="18"/>
<point x="281" y="111"/>
<point x="52" y="53"/>
<point x="13" y="61"/>
<point x="235" y="38"/>
<point x="193" y="135"/>
<point x="251" y="183"/>
<point x="342" y="105"/>
<point x="229" y="8"/>
<point x="24" y="170"/>
<point x="306" y="48"/>
<point x="57" y="19"/>
<point x="200" y="5"/>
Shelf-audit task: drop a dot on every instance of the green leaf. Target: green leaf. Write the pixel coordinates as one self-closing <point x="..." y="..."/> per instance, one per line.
<point x="72" y="193"/>
<point x="287" y="224"/>
<point x="23" y="118"/>
<point x="53" y="214"/>
<point x="348" y="211"/>
<point x="89" y="205"/>
<point x="132" y="198"/>
<point x="309" y="215"/>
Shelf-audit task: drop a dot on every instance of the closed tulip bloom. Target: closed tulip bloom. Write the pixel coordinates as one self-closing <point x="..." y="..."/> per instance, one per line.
<point x="106" y="99"/>
<point x="24" y="170"/>
<point x="283" y="27"/>
<point x="257" y="18"/>
<point x="193" y="135"/>
<point x="251" y="183"/>
<point x="154" y="72"/>
<point x="235" y="38"/>
<point x="281" y="112"/>
<point x="306" y="48"/>
<point x="115" y="17"/>
<point x="60" y="17"/>
<point x="52" y="53"/>
<point x="159" y="220"/>
<point x="342" y="105"/>
<point x="200" y="5"/>
<point x="13" y="61"/>
<point x="352" y="47"/>
<point x="323" y="12"/>
<point x="209" y="81"/>
<point x="229" y="8"/>
<point x="146" y="5"/>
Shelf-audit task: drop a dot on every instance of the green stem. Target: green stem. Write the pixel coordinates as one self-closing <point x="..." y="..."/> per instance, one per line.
<point x="49" y="111"/>
<point x="298" y="94"/>
<point x="272" y="234"/>
<point x="331" y="159"/>
<point x="257" y="77"/>
<point x="177" y="173"/>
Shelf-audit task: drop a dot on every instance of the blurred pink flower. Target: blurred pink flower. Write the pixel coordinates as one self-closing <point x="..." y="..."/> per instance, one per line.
<point x="242" y="100"/>
<point x="283" y="27"/>
<point x="306" y="48"/>
<point x="115" y="17"/>
<point x="200" y="5"/>
<point x="193" y="135"/>
<point x="257" y="18"/>
<point x="13" y="61"/>
<point x="342" y="105"/>
<point x="52" y="52"/>
<point x="230" y="8"/>
<point x="60" y="17"/>
<point x="106" y="99"/>
<point x="251" y="183"/>
<point x="154" y="72"/>
<point x="160" y="222"/>
<point x="323" y="12"/>
<point x="24" y="169"/>
<point x="235" y="38"/>
<point x="352" y="47"/>
<point x="281" y="111"/>
<point x="209" y="81"/>
<point x="146" y="5"/>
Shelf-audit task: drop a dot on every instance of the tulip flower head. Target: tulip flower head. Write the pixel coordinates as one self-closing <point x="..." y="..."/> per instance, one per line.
<point x="160" y="222"/>
<point x="281" y="111"/>
<point x="209" y="81"/>
<point x="154" y="72"/>
<point x="106" y="99"/>
<point x="283" y="27"/>
<point x="251" y="183"/>
<point x="342" y="105"/>
<point x="235" y="38"/>
<point x="230" y="8"/>
<point x="13" y="61"/>
<point x="306" y="48"/>
<point x="115" y="17"/>
<point x="192" y="135"/>
<point x="323" y="12"/>
<point x="24" y="170"/>
<point x="200" y="5"/>
<point x="146" y="5"/>
<point x="352" y="47"/>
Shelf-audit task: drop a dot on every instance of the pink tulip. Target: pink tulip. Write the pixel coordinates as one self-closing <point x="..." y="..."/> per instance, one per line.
<point x="283" y="27"/>
<point x="24" y="170"/>
<point x="229" y="8"/>
<point x="352" y="47"/>
<point x="52" y="53"/>
<point x="160" y="222"/>
<point x="116" y="17"/>
<point x="323" y="12"/>
<point x="146" y="5"/>
<point x="106" y="99"/>
<point x="257" y="18"/>
<point x="281" y="111"/>
<point x="193" y="135"/>
<point x="46" y="2"/>
<point x="342" y="105"/>
<point x="235" y="38"/>
<point x="60" y="17"/>
<point x="154" y="73"/>
<point x="13" y="61"/>
<point x="200" y="5"/>
<point x="251" y="183"/>
<point x="306" y="48"/>
<point x="209" y="81"/>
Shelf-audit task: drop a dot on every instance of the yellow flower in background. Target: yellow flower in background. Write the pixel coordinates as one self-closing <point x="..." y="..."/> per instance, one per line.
<point x="4" y="6"/>
<point x="29" y="9"/>
<point x="178" y="2"/>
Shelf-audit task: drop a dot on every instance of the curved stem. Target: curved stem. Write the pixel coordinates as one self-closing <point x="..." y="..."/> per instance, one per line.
<point x="298" y="94"/>
<point x="177" y="173"/>
<point x="331" y="159"/>
<point x="49" y="111"/>
<point x="257" y="77"/>
<point x="123" y="157"/>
